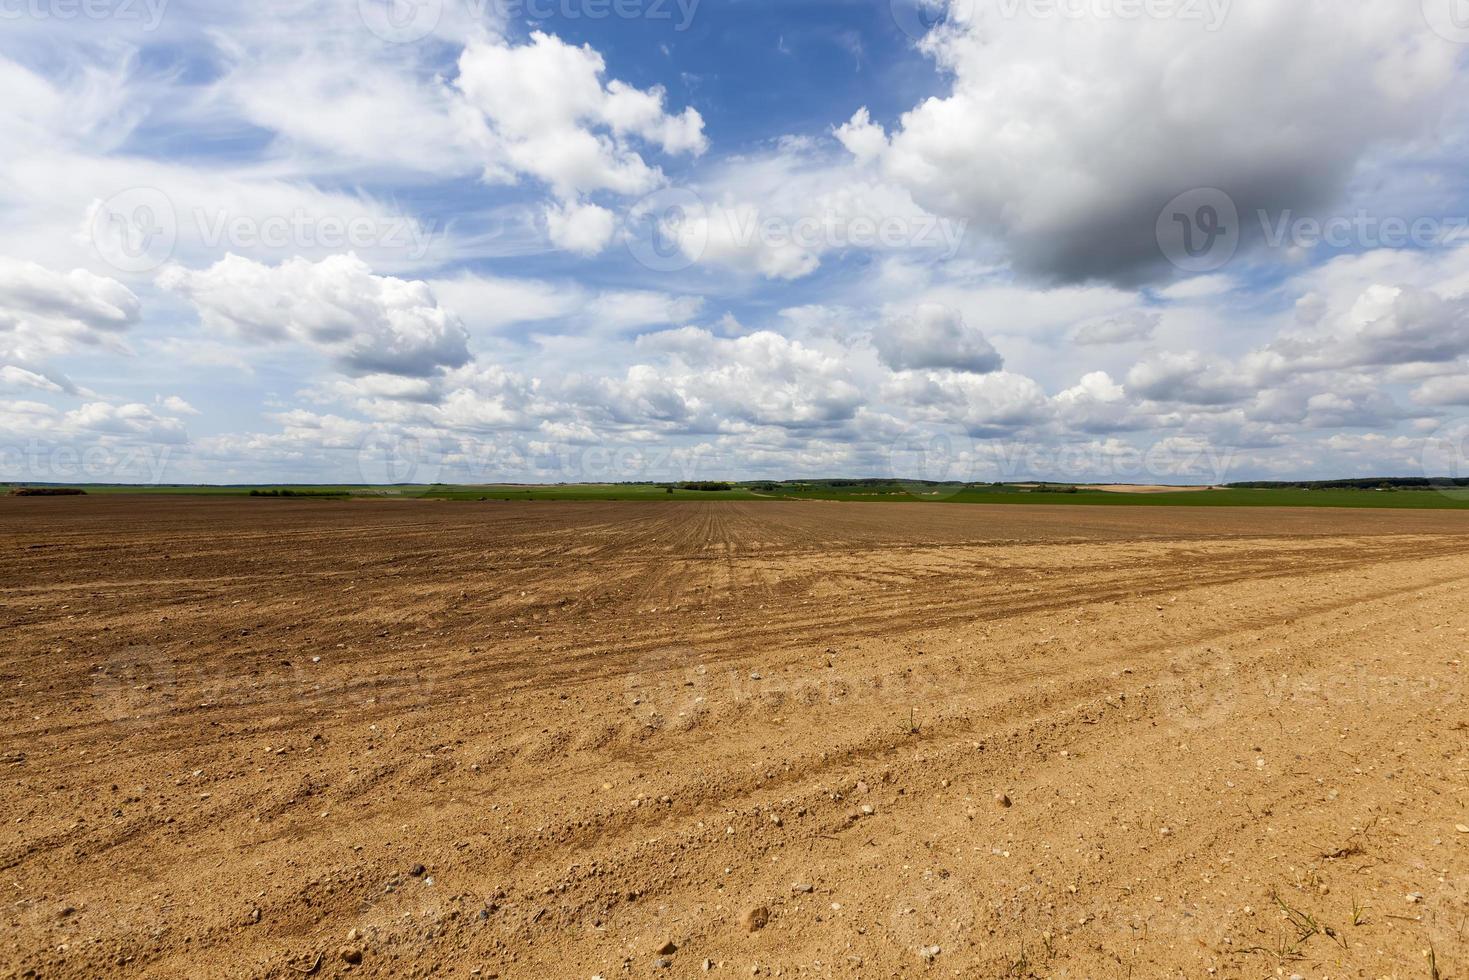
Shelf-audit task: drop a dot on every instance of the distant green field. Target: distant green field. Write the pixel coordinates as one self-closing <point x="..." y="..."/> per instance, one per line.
<point x="319" y="491"/>
<point x="584" y="491"/>
<point x="1425" y="499"/>
<point x="1404" y="499"/>
<point x="501" y="492"/>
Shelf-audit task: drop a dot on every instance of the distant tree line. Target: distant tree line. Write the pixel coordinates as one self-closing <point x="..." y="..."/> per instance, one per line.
<point x="297" y="493"/>
<point x="1364" y="483"/>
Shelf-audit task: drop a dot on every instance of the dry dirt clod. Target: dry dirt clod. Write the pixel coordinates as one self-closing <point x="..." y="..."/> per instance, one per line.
<point x="351" y="954"/>
<point x="667" y="948"/>
<point x="1002" y="799"/>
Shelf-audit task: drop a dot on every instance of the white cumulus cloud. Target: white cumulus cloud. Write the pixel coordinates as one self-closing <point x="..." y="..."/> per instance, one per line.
<point x="366" y="323"/>
<point x="934" y="336"/>
<point x="1066" y="135"/>
<point x="553" y="118"/>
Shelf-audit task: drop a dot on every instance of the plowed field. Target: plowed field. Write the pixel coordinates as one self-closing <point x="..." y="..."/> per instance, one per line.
<point x="279" y="738"/>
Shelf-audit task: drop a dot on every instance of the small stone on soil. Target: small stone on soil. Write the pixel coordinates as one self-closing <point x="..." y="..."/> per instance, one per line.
<point x="756" y="918"/>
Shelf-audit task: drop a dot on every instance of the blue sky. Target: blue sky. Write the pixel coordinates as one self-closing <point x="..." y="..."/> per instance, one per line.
<point x="1181" y="241"/>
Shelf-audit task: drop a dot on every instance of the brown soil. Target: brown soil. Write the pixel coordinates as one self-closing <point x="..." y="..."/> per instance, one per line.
<point x="877" y="740"/>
